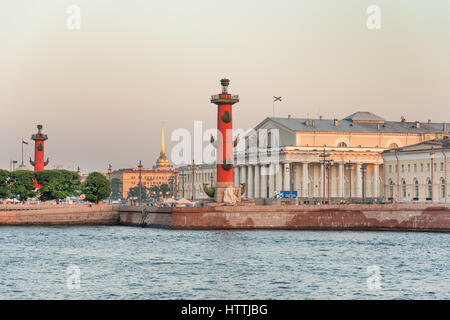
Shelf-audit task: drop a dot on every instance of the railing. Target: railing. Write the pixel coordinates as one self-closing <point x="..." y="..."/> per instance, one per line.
<point x="216" y="97"/>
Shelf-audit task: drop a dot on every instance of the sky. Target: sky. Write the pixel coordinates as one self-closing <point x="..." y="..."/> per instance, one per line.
<point x="102" y="92"/>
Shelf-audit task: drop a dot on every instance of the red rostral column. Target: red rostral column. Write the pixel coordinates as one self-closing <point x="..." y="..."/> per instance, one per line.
<point x="39" y="139"/>
<point x="224" y="102"/>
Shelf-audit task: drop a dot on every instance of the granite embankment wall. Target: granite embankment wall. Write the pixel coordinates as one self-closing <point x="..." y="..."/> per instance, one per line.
<point x="58" y="215"/>
<point x="48" y="215"/>
<point x="146" y="216"/>
<point x="402" y="217"/>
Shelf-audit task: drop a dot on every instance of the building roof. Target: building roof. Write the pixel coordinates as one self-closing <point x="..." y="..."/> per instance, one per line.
<point x="435" y="144"/>
<point x="360" y="122"/>
<point x="364" y="116"/>
<point x="144" y="171"/>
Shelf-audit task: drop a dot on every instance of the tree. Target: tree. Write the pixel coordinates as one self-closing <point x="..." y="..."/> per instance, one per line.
<point x="22" y="184"/>
<point x="164" y="188"/>
<point x="154" y="191"/>
<point x="5" y="189"/>
<point x="58" y="184"/>
<point x="116" y="189"/>
<point x="134" y="192"/>
<point x="96" y="187"/>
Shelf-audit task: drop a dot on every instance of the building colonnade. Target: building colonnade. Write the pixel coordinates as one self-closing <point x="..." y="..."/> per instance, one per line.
<point x="311" y="180"/>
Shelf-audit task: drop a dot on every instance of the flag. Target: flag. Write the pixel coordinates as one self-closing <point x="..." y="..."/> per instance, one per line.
<point x="276" y="98"/>
<point x="24" y="141"/>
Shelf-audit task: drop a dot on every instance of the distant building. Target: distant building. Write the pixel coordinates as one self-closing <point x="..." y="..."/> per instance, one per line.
<point x="22" y="167"/>
<point x="353" y="143"/>
<point x="204" y="173"/>
<point x="418" y="172"/>
<point x="161" y="173"/>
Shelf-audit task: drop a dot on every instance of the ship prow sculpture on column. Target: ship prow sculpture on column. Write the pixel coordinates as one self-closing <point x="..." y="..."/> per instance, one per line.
<point x="225" y="191"/>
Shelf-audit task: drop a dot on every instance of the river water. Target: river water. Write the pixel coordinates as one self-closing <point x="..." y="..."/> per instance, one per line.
<point x="143" y="263"/>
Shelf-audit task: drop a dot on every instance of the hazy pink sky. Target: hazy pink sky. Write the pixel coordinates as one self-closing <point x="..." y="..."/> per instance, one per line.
<point x="101" y="92"/>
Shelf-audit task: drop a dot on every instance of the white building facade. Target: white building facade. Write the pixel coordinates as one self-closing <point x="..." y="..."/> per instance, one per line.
<point x="418" y="173"/>
<point x="194" y="179"/>
<point x="353" y="170"/>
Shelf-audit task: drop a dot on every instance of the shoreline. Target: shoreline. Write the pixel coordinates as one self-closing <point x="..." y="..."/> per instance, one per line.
<point x="398" y="217"/>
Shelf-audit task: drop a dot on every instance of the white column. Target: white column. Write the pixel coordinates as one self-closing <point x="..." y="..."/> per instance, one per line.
<point x="297" y="179"/>
<point x="375" y="180"/>
<point x="257" y="192"/>
<point x="236" y="176"/>
<point x="278" y="177"/>
<point x="243" y="178"/>
<point x="250" y="186"/>
<point x="287" y="177"/>
<point x="264" y="181"/>
<point x="271" y="178"/>
<point x="305" y="181"/>
<point x="341" y="181"/>
<point x="358" y="181"/>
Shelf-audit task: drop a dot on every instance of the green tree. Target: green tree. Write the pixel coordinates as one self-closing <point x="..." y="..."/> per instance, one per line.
<point x="96" y="187"/>
<point x="58" y="184"/>
<point x="116" y="189"/>
<point x="134" y="192"/>
<point x="154" y="191"/>
<point x="164" y="188"/>
<point x="22" y="184"/>
<point x="5" y="190"/>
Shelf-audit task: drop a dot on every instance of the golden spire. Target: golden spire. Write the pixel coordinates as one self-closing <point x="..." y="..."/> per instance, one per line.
<point x="162" y="139"/>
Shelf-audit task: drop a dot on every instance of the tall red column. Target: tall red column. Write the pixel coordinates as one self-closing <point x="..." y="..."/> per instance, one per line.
<point x="39" y="139"/>
<point x="224" y="102"/>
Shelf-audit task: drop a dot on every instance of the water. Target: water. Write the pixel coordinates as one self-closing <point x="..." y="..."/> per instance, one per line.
<point x="135" y="263"/>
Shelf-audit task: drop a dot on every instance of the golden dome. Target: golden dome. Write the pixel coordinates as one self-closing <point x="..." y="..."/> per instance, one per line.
<point x="162" y="161"/>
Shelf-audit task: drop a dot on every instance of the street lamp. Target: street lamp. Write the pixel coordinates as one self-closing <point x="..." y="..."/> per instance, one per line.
<point x="140" y="181"/>
<point x="327" y="164"/>
<point x="211" y="179"/>
<point x="182" y="175"/>
<point x="363" y="173"/>
<point x="193" y="167"/>
<point x="349" y="166"/>
<point x="109" y="178"/>
<point x="432" y="173"/>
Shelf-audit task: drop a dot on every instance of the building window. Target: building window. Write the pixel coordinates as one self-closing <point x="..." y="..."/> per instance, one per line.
<point x="390" y="168"/>
<point x="391" y="190"/>
<point x="404" y="188"/>
<point x="393" y="146"/>
<point x="415" y="167"/>
<point x="403" y="168"/>
<point x="442" y="166"/>
<point x="435" y="166"/>
<point x="416" y="190"/>
<point x="396" y="168"/>
<point x="342" y="145"/>
<point x="430" y="190"/>
<point x="443" y="188"/>
<point x="409" y="168"/>
<point x="428" y="167"/>
<point x="421" y="167"/>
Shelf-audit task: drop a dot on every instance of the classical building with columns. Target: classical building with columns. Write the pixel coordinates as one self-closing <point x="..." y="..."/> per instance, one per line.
<point x="419" y="172"/>
<point x="326" y="159"/>
<point x="194" y="179"/>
